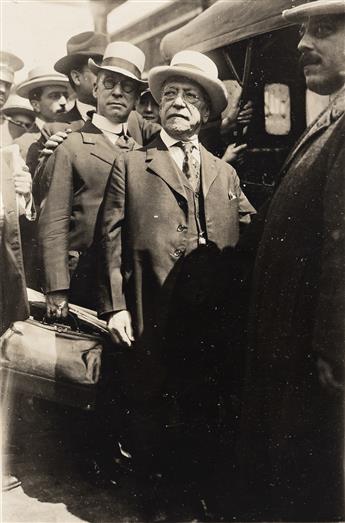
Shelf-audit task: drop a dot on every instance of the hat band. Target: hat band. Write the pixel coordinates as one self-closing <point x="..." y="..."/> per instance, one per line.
<point x="191" y="66"/>
<point x="122" y="64"/>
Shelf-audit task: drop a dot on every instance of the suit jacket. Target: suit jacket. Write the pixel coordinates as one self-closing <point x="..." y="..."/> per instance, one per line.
<point x="13" y="296"/>
<point x="27" y="139"/>
<point x="298" y="315"/>
<point x="139" y="129"/>
<point x="78" y="172"/>
<point x="144" y="227"/>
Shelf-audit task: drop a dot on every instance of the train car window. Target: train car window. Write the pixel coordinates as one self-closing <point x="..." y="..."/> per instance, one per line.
<point x="277" y="109"/>
<point x="315" y="104"/>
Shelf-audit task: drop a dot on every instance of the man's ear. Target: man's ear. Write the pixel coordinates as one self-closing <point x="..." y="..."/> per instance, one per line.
<point x="95" y="89"/>
<point x="205" y="115"/>
<point x="75" y="75"/>
<point x="35" y="105"/>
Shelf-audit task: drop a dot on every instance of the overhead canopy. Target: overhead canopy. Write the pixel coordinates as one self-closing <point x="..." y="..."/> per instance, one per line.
<point x="227" y="22"/>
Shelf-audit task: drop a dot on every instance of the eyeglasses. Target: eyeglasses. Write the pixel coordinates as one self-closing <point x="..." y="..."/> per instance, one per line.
<point x="189" y="96"/>
<point x="127" y="86"/>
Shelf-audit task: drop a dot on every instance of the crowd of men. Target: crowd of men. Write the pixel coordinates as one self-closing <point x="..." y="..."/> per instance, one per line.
<point x="130" y="215"/>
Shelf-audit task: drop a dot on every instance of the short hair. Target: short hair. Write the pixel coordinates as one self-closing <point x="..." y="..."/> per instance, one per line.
<point x="36" y="94"/>
<point x="80" y="63"/>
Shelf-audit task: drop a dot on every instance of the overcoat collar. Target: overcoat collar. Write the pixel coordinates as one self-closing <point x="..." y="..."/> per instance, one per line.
<point x="161" y="163"/>
<point x="332" y="112"/>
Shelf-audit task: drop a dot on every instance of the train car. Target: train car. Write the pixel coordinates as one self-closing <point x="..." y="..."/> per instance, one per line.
<point x="255" y="50"/>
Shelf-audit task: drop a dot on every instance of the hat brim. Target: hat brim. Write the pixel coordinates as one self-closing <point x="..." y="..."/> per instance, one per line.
<point x="69" y="62"/>
<point x="214" y="88"/>
<point x="303" y="11"/>
<point x="25" y="88"/>
<point x="9" y="111"/>
<point x="97" y="68"/>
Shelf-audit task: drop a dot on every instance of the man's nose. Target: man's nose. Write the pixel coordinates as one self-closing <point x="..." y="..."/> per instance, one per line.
<point x="179" y="101"/>
<point x="149" y="107"/>
<point x="62" y="100"/>
<point x="306" y="42"/>
<point x="117" y="89"/>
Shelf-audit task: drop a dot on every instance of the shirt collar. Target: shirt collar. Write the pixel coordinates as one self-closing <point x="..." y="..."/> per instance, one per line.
<point x="106" y="125"/>
<point x="40" y="123"/>
<point x="84" y="109"/>
<point x="169" y="141"/>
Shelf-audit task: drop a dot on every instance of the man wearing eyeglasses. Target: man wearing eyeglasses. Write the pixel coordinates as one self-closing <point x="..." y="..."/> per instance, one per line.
<point x="76" y="175"/>
<point x="171" y="211"/>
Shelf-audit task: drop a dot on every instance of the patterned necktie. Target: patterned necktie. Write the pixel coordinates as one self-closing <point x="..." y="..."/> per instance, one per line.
<point x="190" y="166"/>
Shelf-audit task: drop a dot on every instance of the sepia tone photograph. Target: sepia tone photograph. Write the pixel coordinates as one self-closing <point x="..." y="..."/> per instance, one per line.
<point x="172" y="261"/>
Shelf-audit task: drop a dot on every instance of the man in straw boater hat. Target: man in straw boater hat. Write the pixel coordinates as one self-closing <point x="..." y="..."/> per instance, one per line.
<point x="47" y="92"/>
<point x="293" y="414"/>
<point x="169" y="211"/>
<point x="9" y="64"/>
<point x="19" y="114"/>
<point x="77" y="174"/>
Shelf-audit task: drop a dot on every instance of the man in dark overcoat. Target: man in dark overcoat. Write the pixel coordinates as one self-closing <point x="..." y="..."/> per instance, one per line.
<point x="171" y="211"/>
<point x="293" y="413"/>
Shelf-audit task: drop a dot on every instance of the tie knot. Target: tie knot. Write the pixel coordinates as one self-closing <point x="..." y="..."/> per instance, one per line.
<point x="187" y="147"/>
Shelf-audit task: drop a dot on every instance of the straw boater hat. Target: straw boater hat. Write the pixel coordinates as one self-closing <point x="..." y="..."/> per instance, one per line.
<point x="9" y="63"/>
<point x="82" y="46"/>
<point x="18" y="105"/>
<point x="41" y="77"/>
<point x="124" y="58"/>
<point x="315" y="8"/>
<point x="194" y="66"/>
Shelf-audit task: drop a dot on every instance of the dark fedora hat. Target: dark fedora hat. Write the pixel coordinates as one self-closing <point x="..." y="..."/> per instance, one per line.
<point x="84" y="45"/>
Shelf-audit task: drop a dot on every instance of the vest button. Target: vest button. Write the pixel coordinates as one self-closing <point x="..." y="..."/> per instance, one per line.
<point x="181" y="228"/>
<point x="177" y="253"/>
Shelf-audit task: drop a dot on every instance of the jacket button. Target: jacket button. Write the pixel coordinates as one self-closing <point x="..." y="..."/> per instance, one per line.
<point x="181" y="228"/>
<point x="177" y="253"/>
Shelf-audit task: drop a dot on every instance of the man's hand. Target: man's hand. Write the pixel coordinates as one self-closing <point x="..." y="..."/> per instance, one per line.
<point x="237" y="117"/>
<point x="234" y="153"/>
<point x="326" y="375"/>
<point x="23" y="182"/>
<point x="245" y="115"/>
<point x="57" y="304"/>
<point x="120" y="328"/>
<point x="54" y="141"/>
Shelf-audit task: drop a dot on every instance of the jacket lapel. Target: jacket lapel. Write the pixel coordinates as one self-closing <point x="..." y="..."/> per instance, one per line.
<point x="103" y="148"/>
<point x="209" y="170"/>
<point x="159" y="161"/>
<point x="333" y="111"/>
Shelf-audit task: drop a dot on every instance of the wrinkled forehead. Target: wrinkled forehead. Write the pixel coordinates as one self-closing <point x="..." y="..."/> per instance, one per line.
<point x="54" y="90"/>
<point x="182" y="82"/>
<point x="337" y="22"/>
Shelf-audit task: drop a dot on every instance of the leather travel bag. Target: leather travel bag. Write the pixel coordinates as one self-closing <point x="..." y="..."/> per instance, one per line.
<point x="52" y="351"/>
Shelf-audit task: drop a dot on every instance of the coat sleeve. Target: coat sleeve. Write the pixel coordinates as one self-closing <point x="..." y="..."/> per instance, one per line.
<point x="329" y="330"/>
<point x="54" y="221"/>
<point x="109" y="241"/>
<point x="245" y="208"/>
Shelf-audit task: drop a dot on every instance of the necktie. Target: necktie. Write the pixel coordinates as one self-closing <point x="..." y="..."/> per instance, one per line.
<point x="190" y="166"/>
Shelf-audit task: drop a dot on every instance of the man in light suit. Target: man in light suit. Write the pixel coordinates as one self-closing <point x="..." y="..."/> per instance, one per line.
<point x="77" y="174"/>
<point x="293" y="413"/>
<point x="171" y="211"/>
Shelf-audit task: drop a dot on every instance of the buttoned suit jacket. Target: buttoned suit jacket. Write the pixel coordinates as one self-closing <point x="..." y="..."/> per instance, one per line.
<point x="78" y="172"/>
<point x="144" y="225"/>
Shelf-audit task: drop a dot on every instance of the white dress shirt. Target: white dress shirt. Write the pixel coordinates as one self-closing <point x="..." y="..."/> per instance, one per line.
<point x="84" y="109"/>
<point x="109" y="129"/>
<point x="176" y="151"/>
